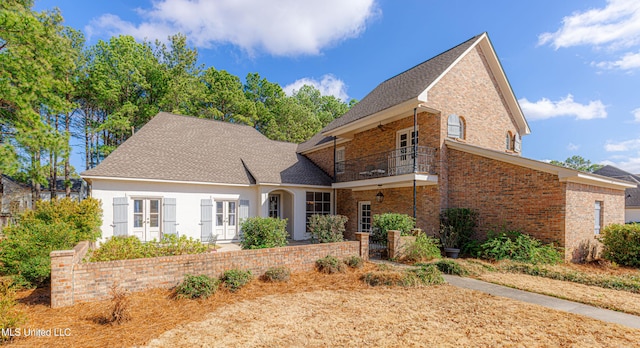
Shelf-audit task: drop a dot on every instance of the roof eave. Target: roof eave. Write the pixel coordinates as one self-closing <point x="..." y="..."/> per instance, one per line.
<point x="391" y="114"/>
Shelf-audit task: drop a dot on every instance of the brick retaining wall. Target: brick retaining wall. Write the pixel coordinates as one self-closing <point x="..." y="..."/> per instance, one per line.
<point x="74" y="281"/>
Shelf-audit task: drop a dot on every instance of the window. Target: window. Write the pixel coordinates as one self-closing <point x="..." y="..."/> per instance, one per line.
<point x="364" y="216"/>
<point x="340" y="160"/>
<point x="509" y="141"/>
<point x="318" y="203"/>
<point x="597" y="214"/>
<point x="455" y="127"/>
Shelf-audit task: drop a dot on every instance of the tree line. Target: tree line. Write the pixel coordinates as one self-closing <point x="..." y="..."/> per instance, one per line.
<point x="53" y="87"/>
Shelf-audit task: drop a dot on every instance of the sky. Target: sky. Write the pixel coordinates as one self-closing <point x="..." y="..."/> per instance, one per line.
<point x="574" y="65"/>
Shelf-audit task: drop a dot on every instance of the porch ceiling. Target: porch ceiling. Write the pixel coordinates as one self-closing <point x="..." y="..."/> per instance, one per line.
<point x="405" y="180"/>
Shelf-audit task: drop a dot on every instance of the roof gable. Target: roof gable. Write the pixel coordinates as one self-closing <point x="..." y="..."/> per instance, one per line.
<point x="413" y="84"/>
<point x="187" y="149"/>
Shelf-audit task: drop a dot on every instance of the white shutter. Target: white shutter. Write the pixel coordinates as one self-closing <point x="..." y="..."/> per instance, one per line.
<point x="120" y="215"/>
<point x="453" y="126"/>
<point x="206" y="220"/>
<point x="169" y="216"/>
<point x="243" y="212"/>
<point x="517" y="146"/>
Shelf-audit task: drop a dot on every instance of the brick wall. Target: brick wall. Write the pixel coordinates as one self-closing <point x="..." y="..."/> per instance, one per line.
<point x="396" y="200"/>
<point x="522" y="198"/>
<point x="73" y="281"/>
<point x="580" y="237"/>
<point x="323" y="158"/>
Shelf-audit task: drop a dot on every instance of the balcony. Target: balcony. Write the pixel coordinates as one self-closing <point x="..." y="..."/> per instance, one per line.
<point x="387" y="164"/>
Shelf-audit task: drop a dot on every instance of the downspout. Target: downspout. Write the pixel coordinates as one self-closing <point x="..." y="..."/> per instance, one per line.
<point x="415" y="157"/>
<point x="335" y="177"/>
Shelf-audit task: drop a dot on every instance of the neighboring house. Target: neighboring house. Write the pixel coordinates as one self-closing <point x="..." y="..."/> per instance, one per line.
<point x="15" y="196"/>
<point x="632" y="195"/>
<point x="445" y="133"/>
<point x="200" y="178"/>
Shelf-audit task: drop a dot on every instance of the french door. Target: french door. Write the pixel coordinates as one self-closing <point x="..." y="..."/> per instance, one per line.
<point x="403" y="161"/>
<point x="146" y="219"/>
<point x="226" y="220"/>
<point x="364" y="216"/>
<point x="274" y="206"/>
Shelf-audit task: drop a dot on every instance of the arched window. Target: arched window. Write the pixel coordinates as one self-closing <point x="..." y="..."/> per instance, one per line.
<point x="455" y="127"/>
<point x="508" y="141"/>
<point x="517" y="143"/>
<point x="463" y="128"/>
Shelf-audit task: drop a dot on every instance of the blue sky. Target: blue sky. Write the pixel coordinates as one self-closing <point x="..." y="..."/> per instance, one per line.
<point x="574" y="65"/>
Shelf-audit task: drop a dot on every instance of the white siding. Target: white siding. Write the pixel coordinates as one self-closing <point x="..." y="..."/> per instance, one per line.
<point x="632" y="215"/>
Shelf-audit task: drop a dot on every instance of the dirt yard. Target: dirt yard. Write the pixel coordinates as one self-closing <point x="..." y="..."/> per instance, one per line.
<point x="319" y="310"/>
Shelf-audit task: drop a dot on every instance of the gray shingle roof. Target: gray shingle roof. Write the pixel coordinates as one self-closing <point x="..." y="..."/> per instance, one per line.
<point x="402" y="87"/>
<point x="182" y="148"/>
<point x="632" y="195"/>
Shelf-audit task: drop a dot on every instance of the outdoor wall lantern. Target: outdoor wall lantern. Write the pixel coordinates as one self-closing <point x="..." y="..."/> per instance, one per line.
<point x="379" y="197"/>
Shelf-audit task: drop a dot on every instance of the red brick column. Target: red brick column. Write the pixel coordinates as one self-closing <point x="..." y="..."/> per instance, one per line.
<point x="363" y="238"/>
<point x="62" y="277"/>
<point x="393" y="243"/>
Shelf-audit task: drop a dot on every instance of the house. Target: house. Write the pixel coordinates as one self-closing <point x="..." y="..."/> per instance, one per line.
<point x="15" y="196"/>
<point x="200" y="178"/>
<point x="445" y="133"/>
<point x="632" y="195"/>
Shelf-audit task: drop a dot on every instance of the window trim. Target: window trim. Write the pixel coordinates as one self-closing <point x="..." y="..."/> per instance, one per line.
<point x="308" y="213"/>
<point x="340" y="168"/>
<point x="509" y="141"/>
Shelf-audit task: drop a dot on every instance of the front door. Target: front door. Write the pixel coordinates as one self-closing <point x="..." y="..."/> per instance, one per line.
<point x="274" y="206"/>
<point x="226" y="220"/>
<point x="364" y="216"/>
<point x="146" y="219"/>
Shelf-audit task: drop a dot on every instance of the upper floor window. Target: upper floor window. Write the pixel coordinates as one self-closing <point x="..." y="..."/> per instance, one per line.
<point x="509" y="141"/>
<point x="340" y="160"/>
<point x="455" y="127"/>
<point x="517" y="143"/>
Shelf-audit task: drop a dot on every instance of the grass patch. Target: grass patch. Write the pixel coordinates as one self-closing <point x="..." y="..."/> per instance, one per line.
<point x="451" y="267"/>
<point x="424" y="275"/>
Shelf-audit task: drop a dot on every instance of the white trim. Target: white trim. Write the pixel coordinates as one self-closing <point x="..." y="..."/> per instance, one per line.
<point x="360" y="204"/>
<point x="564" y="174"/>
<point x="325" y="145"/>
<point x="88" y="178"/>
<point x="404" y="180"/>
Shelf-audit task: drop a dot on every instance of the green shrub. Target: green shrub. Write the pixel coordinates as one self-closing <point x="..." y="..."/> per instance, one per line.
<point x="391" y="221"/>
<point x="330" y="264"/>
<point x="201" y="286"/>
<point x="277" y="274"/>
<point x="125" y="248"/>
<point x="622" y="244"/>
<point x="457" y="227"/>
<point x="451" y="267"/>
<point x="10" y="317"/>
<point x="354" y="261"/>
<point x="424" y="248"/>
<point x="55" y="225"/>
<point x="261" y="232"/>
<point x="516" y="246"/>
<point x="235" y="279"/>
<point x="327" y="228"/>
<point x="425" y="275"/>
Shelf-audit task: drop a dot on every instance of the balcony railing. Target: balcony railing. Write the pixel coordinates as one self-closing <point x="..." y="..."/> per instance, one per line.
<point x="390" y="163"/>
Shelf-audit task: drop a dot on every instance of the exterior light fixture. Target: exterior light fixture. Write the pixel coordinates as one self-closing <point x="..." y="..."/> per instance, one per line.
<point x="379" y="197"/>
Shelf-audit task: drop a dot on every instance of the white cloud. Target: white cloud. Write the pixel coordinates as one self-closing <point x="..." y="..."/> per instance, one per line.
<point x="282" y="27"/>
<point x="626" y="145"/>
<point x="629" y="61"/>
<point x="573" y="147"/>
<point x="636" y="115"/>
<point x="328" y="85"/>
<point x="616" y="25"/>
<point x="545" y="108"/>
<point x="629" y="164"/>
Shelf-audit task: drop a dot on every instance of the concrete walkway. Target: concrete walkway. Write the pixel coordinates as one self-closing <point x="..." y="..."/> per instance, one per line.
<point x="542" y="300"/>
<point x="546" y="301"/>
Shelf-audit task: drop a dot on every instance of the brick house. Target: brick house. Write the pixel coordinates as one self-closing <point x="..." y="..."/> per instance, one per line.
<point x="447" y="133"/>
<point x="631" y="195"/>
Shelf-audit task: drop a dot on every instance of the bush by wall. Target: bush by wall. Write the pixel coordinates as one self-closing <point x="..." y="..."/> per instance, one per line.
<point x="622" y="244"/>
<point x="516" y="246"/>
<point x="235" y="279"/>
<point x="457" y="227"/>
<point x="277" y="274"/>
<point x="200" y="286"/>
<point x="330" y="265"/>
<point x="261" y="232"/>
<point x="424" y="248"/>
<point x="10" y="317"/>
<point x="327" y="228"/>
<point x="391" y="221"/>
<point x="127" y="248"/>
<point x="55" y="225"/>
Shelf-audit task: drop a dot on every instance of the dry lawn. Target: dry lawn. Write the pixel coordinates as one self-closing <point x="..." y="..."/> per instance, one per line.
<point x="314" y="309"/>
